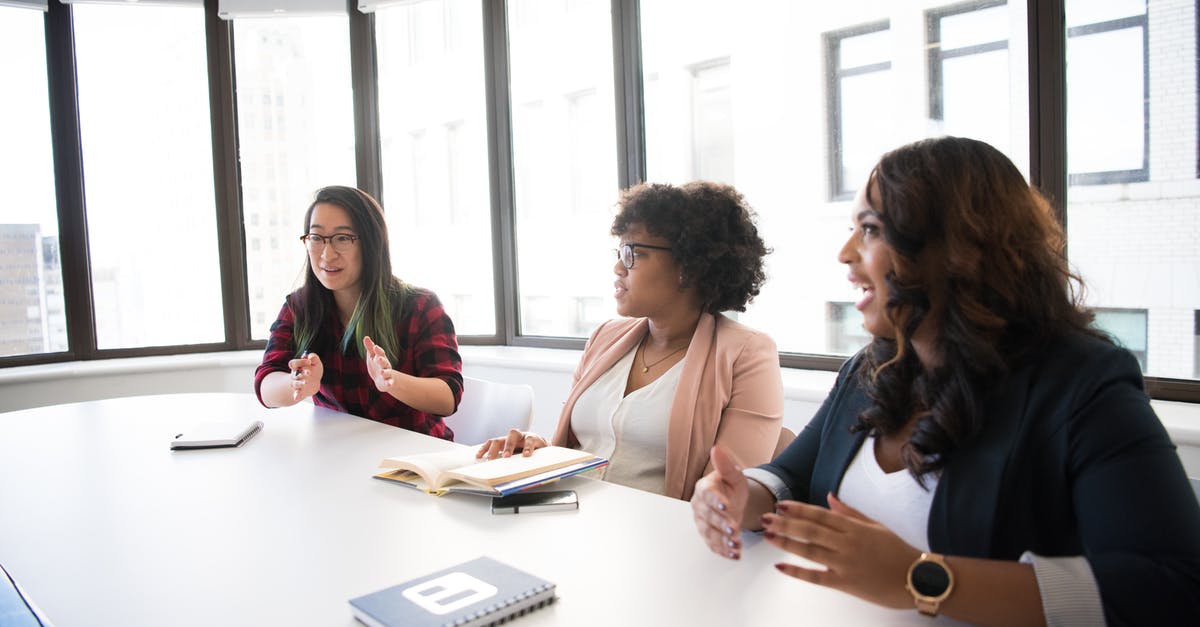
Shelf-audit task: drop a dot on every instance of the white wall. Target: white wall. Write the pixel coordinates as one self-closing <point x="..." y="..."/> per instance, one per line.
<point x="547" y="370"/>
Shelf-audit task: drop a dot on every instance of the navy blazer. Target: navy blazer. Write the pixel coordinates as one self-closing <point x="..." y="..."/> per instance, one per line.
<point x="1071" y="461"/>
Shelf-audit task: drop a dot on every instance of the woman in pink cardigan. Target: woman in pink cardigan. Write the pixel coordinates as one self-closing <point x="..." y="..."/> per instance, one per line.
<point x="657" y="388"/>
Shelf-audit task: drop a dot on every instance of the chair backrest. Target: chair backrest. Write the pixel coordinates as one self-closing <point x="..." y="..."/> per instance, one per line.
<point x="489" y="409"/>
<point x="785" y="438"/>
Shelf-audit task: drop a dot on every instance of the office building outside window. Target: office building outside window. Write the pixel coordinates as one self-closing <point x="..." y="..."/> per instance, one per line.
<point x="859" y="61"/>
<point x="564" y="162"/>
<point x="1108" y="90"/>
<point x="1132" y="220"/>
<point x="295" y="135"/>
<point x="32" y="319"/>
<point x="433" y="132"/>
<point x="148" y="174"/>
<point x="812" y="99"/>
<point x="972" y="88"/>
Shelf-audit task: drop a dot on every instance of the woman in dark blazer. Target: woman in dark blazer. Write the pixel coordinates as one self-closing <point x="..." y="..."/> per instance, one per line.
<point x="990" y="455"/>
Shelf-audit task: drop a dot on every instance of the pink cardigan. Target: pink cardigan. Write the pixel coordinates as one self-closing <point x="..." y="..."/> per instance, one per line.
<point x="730" y="392"/>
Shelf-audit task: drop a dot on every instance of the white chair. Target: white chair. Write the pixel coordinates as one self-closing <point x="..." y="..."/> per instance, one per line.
<point x="489" y="409"/>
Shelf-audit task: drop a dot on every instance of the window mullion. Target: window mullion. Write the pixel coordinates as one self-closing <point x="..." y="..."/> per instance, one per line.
<point x="68" y="175"/>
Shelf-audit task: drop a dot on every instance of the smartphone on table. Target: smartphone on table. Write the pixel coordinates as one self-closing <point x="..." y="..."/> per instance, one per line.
<point x="527" y="502"/>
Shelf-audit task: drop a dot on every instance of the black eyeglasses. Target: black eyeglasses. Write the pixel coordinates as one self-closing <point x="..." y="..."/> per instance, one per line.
<point x="625" y="252"/>
<point x="341" y="241"/>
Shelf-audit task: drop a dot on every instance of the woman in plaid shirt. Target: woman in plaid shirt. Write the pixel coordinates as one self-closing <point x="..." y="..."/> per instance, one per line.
<point x="321" y="346"/>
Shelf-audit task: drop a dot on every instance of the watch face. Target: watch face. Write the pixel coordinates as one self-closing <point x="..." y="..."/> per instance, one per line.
<point x="930" y="579"/>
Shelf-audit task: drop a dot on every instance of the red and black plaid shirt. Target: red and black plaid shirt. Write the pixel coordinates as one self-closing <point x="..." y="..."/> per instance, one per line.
<point x="427" y="346"/>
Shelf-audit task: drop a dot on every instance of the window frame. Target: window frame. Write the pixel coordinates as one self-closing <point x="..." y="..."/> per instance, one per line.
<point x="834" y="74"/>
<point x="1046" y="58"/>
<point x="1137" y="175"/>
<point x="937" y="56"/>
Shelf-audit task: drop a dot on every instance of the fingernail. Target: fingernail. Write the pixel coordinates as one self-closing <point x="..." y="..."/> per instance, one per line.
<point x="781" y="507"/>
<point x="728" y="530"/>
<point x="732" y="555"/>
<point x="721" y="506"/>
<point x="770" y="535"/>
<point x="779" y="567"/>
<point x="764" y="520"/>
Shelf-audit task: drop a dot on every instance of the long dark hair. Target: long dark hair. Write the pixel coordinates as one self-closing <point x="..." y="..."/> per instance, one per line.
<point x="978" y="252"/>
<point x="382" y="298"/>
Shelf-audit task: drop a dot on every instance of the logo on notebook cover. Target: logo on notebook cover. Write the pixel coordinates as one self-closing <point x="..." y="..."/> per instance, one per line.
<point x="449" y="592"/>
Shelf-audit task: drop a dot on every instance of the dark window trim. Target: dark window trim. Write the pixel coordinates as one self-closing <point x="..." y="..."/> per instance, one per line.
<point x="1047" y="40"/>
<point x="834" y="73"/>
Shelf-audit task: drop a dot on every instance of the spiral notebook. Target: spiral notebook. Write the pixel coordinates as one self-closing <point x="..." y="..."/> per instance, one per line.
<point x="477" y="593"/>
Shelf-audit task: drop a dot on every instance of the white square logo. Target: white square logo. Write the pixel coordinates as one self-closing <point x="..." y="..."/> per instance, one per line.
<point x="449" y="592"/>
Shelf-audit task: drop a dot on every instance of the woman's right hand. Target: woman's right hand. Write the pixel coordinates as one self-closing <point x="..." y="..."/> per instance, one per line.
<point x="718" y="503"/>
<point x="515" y="441"/>
<point x="306" y="376"/>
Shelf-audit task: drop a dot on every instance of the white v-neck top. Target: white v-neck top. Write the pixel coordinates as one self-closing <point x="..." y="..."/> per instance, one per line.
<point x="894" y="499"/>
<point x="631" y="431"/>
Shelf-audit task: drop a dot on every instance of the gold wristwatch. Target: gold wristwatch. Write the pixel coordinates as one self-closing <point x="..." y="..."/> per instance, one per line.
<point x="930" y="581"/>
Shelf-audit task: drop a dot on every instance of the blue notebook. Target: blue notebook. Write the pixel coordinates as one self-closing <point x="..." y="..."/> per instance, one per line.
<point x="480" y="592"/>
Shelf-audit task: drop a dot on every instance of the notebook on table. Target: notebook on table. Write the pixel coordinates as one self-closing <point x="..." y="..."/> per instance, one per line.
<point x="477" y="593"/>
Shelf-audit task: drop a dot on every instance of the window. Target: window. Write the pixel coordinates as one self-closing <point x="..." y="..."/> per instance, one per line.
<point x="564" y="161"/>
<point x="32" y="318"/>
<point x="798" y="153"/>
<point x="433" y="127"/>
<point x="712" y="122"/>
<point x="1132" y="195"/>
<point x="1127" y="327"/>
<point x="295" y="135"/>
<point x="970" y="78"/>
<point x="844" y="329"/>
<point x="860" y="116"/>
<point x="147" y="162"/>
<point x="1108" y="91"/>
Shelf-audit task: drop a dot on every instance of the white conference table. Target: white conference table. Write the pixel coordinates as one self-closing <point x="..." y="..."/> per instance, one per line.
<point x="102" y="524"/>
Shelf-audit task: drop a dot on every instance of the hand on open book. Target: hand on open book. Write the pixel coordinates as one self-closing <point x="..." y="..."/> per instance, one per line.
<point x="516" y="441"/>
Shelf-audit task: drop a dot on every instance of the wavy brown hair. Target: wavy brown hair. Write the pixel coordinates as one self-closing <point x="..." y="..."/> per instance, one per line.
<point x="978" y="253"/>
<point x="712" y="233"/>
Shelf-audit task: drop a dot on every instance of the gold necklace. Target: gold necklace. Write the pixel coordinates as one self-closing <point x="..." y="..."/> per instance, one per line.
<point x="645" y="366"/>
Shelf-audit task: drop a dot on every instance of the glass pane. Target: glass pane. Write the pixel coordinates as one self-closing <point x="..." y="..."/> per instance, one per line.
<point x="147" y="162"/>
<point x="978" y="108"/>
<point x="972" y="28"/>
<point x="1106" y="125"/>
<point x="435" y="168"/>
<point x="32" y="318"/>
<point x="564" y="162"/>
<point x="808" y="125"/>
<point x="295" y="135"/>
<point x="1082" y="12"/>
<point x="1133" y="240"/>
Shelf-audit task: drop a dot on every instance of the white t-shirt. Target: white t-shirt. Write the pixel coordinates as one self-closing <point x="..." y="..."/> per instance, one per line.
<point x="631" y="431"/>
<point x="894" y="499"/>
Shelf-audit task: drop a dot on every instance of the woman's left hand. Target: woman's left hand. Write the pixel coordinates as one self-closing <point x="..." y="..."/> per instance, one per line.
<point x="378" y="366"/>
<point x="863" y="557"/>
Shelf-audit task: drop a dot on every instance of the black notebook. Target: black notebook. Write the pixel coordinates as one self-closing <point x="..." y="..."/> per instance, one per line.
<point x="480" y="592"/>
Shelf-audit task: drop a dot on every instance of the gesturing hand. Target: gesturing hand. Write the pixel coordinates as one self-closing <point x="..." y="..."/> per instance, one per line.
<point x="306" y="375"/>
<point x="378" y="366"/>
<point x="718" y="504"/>
<point x="863" y="557"/>
<point x="515" y="441"/>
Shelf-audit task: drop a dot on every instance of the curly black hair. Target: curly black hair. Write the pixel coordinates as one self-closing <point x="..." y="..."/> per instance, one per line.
<point x="712" y="233"/>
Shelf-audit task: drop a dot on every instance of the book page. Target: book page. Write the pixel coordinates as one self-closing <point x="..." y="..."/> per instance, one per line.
<point x="496" y="471"/>
<point x="431" y="466"/>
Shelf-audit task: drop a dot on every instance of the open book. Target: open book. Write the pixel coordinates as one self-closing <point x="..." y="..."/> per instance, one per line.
<point x="458" y="470"/>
